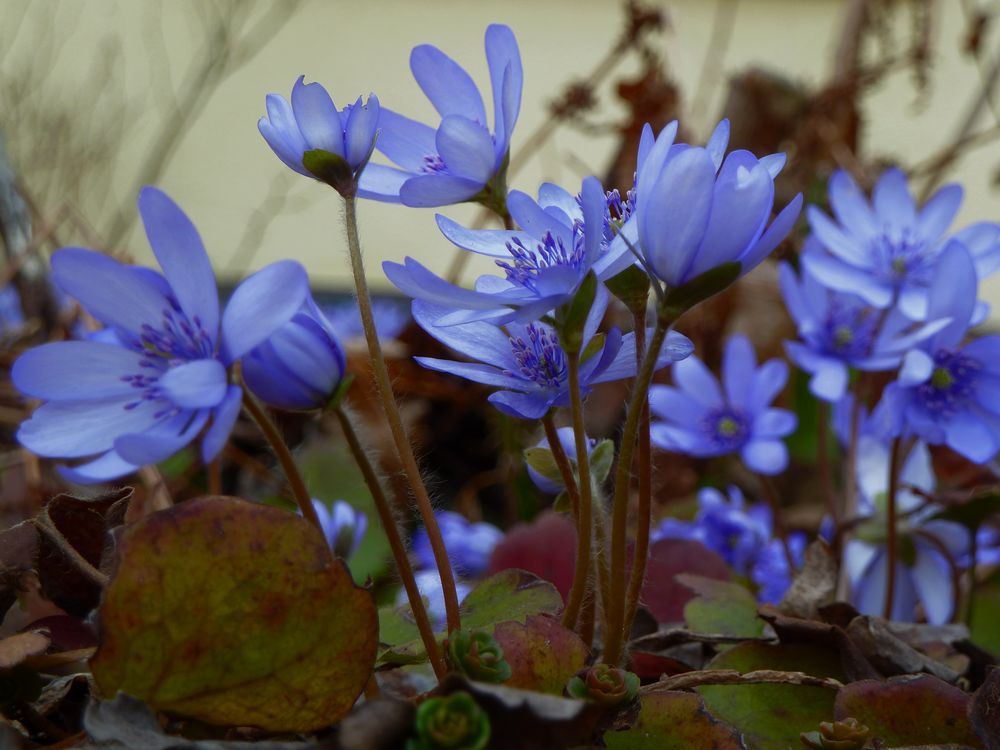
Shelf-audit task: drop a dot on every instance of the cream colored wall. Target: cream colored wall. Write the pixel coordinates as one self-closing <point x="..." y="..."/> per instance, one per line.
<point x="223" y="169"/>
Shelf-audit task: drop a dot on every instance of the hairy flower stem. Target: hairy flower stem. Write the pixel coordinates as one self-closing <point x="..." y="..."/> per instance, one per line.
<point x="581" y="571"/>
<point x="399" y="436"/>
<point x="302" y="497"/>
<point x="562" y="463"/>
<point x="850" y="507"/>
<point x="615" y="616"/>
<point x="645" y="471"/>
<point x="895" y="457"/>
<point x="391" y="529"/>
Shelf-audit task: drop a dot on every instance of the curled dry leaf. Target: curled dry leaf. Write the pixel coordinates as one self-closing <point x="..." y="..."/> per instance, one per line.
<point x="14" y="649"/>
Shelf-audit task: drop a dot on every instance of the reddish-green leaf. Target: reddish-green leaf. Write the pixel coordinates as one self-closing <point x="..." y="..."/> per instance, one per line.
<point x="909" y="710"/>
<point x="235" y="614"/>
<point x="542" y="653"/>
<point x="674" y="721"/>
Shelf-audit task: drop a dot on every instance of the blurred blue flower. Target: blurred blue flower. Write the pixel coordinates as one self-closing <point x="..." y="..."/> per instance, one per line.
<point x="469" y="544"/>
<point x="300" y="365"/>
<point x="392" y="315"/>
<point x="543" y="267"/>
<point x="743" y="536"/>
<point x="460" y="159"/>
<point x="840" y="331"/>
<point x="567" y="439"/>
<point x="945" y="392"/>
<point x="343" y="526"/>
<point x="887" y="251"/>
<point x="11" y="313"/>
<point x="429" y="585"/>
<point x="312" y="122"/>
<point x="929" y="550"/>
<point x="693" y="208"/>
<point x="699" y="419"/>
<point x="526" y="361"/>
<point x="161" y="380"/>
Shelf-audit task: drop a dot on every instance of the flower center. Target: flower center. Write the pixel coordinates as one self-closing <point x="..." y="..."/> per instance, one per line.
<point x="551" y="252"/>
<point x="539" y="357"/>
<point x="902" y="256"/>
<point x="847" y="332"/>
<point x="433" y="164"/>
<point x="952" y="383"/>
<point x="727" y="428"/>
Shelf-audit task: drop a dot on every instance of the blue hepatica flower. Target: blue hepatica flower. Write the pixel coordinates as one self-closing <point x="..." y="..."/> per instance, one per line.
<point x="743" y="536"/>
<point x="567" y="439"/>
<point x="391" y="315"/>
<point x="526" y="361"/>
<point x="840" y="331"/>
<point x="300" y="365"/>
<point x="430" y="588"/>
<point x="694" y="208"/>
<point x="699" y="418"/>
<point x="11" y="314"/>
<point x="543" y="266"/>
<point x="459" y="159"/>
<point x="929" y="549"/>
<point x="469" y="544"/>
<point x="161" y="380"/>
<point x="946" y="392"/>
<point x="887" y="251"/>
<point x="343" y="526"/>
<point x="312" y="122"/>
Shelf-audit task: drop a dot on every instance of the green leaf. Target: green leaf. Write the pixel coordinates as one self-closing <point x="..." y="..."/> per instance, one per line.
<point x="681" y="299"/>
<point x="235" y="614"/>
<point x="909" y="710"/>
<point x="986" y="614"/>
<point x="631" y="286"/>
<point x="721" y="608"/>
<point x="511" y="595"/>
<point x="332" y="169"/>
<point x="675" y="721"/>
<point x="601" y="459"/>
<point x="542" y="461"/>
<point x="542" y="653"/>
<point x="594" y="346"/>
<point x="562" y="503"/>
<point x="973" y="513"/>
<point x="773" y="716"/>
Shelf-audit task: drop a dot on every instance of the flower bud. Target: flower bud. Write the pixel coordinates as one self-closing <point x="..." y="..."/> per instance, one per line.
<point x="604" y="684"/>
<point x="342" y="525"/>
<point x="478" y="656"/>
<point x="848" y="734"/>
<point x="454" y="721"/>
<point x="300" y="366"/>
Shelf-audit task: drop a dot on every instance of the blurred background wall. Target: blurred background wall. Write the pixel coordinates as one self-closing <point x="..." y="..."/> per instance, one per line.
<point x="98" y="98"/>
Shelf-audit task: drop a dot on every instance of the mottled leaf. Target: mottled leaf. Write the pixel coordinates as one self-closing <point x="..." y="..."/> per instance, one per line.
<point x="909" y="710"/>
<point x="721" y="607"/>
<point x="235" y="614"/>
<point x="984" y="711"/>
<point x="674" y="721"/>
<point x="545" y="547"/>
<point x="772" y="716"/>
<point x="664" y="596"/>
<point x="542" y="653"/>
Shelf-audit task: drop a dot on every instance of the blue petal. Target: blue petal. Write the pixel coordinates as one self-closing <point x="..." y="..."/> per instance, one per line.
<point x="485" y="374"/>
<point x="835" y="274"/>
<point x="967" y="434"/>
<point x="738" y="362"/>
<point x="851" y="207"/>
<point x="317" y="117"/>
<point x="767" y="383"/>
<point x="182" y="257"/>
<point x="113" y="293"/>
<point x="774" y="234"/>
<point x="953" y="295"/>
<point x="506" y="77"/>
<point x="261" y="305"/>
<point x="521" y="405"/>
<point x="594" y="207"/>
<point x="223" y="419"/>
<point x="480" y="341"/>
<point x="774" y="163"/>
<point x="650" y="168"/>
<point x="71" y="429"/>
<point x="405" y="141"/>
<point x="161" y="442"/>
<point x="433" y="190"/>
<point x="282" y="147"/>
<point x="361" y="125"/>
<point x="916" y="368"/>
<point x="669" y="403"/>
<point x="102" y="469"/>
<point x="528" y="215"/>
<point x="839" y="243"/>
<point x="674" y="214"/>
<point x="448" y="87"/>
<point x="194" y="385"/>
<point x="692" y="377"/>
<point x="414" y="280"/>
<point x="75" y="370"/>
<point x="717" y="142"/>
<point x="466" y="148"/>
<point x="772" y="423"/>
<point x="932" y="578"/>
<point x="892" y="199"/>
<point x="938" y="213"/>
<point x="381" y="183"/>
<point x="765" y="456"/>
<point x="491" y="242"/>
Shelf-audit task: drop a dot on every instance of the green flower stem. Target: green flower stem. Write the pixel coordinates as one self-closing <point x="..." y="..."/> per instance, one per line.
<point x="615" y="610"/>
<point x="302" y="497"/>
<point x="645" y="519"/>
<point x="562" y="463"/>
<point x="391" y="529"/>
<point x="399" y="436"/>
<point x="581" y="571"/>
<point x="895" y="457"/>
